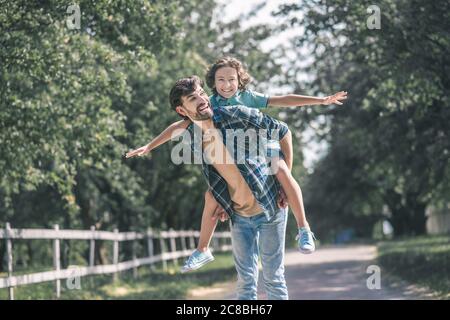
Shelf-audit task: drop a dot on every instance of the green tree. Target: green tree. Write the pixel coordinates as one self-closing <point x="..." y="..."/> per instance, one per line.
<point x="74" y="101"/>
<point x="389" y="144"/>
<point x="63" y="108"/>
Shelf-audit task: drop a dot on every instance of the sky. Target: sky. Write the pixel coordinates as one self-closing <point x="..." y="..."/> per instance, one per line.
<point x="234" y="8"/>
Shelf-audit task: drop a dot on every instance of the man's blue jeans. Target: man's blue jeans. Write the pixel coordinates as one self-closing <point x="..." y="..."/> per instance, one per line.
<point x="256" y="235"/>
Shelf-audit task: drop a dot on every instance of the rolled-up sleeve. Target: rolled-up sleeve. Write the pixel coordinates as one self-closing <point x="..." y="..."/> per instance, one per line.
<point x="255" y="99"/>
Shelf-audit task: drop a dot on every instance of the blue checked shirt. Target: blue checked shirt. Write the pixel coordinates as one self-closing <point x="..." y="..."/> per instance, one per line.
<point x="254" y="169"/>
<point x="251" y="99"/>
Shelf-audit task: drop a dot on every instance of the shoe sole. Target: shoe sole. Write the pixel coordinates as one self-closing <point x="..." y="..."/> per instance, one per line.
<point x="199" y="266"/>
<point x="306" y="251"/>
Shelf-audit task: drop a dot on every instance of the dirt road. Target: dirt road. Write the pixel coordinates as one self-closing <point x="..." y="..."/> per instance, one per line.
<point x="332" y="273"/>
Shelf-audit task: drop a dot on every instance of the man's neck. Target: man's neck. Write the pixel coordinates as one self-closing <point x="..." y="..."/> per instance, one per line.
<point x="205" y="125"/>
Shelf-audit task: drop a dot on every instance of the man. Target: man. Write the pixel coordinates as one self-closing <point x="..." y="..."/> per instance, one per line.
<point x="245" y="188"/>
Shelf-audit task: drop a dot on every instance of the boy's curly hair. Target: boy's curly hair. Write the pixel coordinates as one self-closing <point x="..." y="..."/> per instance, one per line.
<point x="243" y="76"/>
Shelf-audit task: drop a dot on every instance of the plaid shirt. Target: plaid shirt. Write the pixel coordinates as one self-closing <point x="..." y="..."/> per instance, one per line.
<point x="254" y="169"/>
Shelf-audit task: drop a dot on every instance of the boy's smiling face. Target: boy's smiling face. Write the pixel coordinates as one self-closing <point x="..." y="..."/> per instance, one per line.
<point x="226" y="81"/>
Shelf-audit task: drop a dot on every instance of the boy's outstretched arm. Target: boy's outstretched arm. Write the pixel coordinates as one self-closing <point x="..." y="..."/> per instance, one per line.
<point x="175" y="129"/>
<point x="294" y="100"/>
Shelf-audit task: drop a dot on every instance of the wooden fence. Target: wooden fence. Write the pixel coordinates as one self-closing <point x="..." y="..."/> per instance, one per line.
<point x="221" y="242"/>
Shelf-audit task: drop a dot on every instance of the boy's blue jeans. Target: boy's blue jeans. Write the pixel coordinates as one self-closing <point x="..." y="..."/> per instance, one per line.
<point x="256" y="235"/>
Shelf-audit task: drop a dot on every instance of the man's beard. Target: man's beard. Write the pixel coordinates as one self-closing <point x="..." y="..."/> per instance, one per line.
<point x="201" y="117"/>
<point x="197" y="116"/>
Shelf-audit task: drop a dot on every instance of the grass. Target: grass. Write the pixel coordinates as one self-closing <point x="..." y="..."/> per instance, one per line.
<point x="150" y="285"/>
<point x="422" y="260"/>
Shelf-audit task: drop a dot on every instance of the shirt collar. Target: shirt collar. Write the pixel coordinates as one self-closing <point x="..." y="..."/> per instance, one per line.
<point x="219" y="98"/>
<point x="217" y="117"/>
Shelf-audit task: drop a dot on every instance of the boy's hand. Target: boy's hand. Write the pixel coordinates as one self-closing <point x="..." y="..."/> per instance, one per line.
<point x="335" y="98"/>
<point x="282" y="199"/>
<point x="220" y="214"/>
<point x="138" y="152"/>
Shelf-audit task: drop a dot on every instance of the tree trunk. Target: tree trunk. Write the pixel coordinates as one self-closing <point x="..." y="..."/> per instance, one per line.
<point x="101" y="253"/>
<point x="2" y="256"/>
<point x="407" y="219"/>
<point x="399" y="221"/>
<point x="418" y="219"/>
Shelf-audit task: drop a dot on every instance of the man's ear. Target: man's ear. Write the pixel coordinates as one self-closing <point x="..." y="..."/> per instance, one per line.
<point x="181" y="111"/>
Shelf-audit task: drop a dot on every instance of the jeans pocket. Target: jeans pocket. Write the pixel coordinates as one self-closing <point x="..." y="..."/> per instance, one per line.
<point x="277" y="217"/>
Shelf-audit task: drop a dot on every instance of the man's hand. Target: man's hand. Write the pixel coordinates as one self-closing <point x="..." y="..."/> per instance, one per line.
<point x="220" y="214"/>
<point x="335" y="98"/>
<point x="282" y="199"/>
<point x="138" y="152"/>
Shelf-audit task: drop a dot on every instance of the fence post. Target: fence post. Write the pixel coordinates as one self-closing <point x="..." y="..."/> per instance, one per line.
<point x="163" y="250"/>
<point x="133" y="250"/>
<point x="192" y="240"/>
<point x="116" y="254"/>
<point x="57" y="261"/>
<point x="9" y="257"/>
<point x="92" y="248"/>
<point x="214" y="244"/>
<point x="150" y="247"/>
<point x="183" y="242"/>
<point x="219" y="246"/>
<point x="173" y="246"/>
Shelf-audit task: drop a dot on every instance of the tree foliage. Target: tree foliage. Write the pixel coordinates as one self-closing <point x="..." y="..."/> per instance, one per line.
<point x="73" y="101"/>
<point x="389" y="144"/>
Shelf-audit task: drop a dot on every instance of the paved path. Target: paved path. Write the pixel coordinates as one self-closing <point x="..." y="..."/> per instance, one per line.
<point x="331" y="273"/>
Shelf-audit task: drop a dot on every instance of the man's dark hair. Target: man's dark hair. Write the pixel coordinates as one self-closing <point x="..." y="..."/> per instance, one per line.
<point x="182" y="88"/>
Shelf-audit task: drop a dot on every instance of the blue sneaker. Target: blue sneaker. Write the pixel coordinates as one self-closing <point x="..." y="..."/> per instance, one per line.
<point x="305" y="240"/>
<point x="197" y="260"/>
